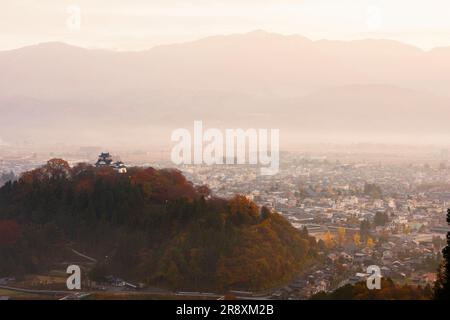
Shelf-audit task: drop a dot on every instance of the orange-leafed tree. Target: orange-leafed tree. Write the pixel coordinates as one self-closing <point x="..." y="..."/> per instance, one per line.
<point x="329" y="240"/>
<point x="242" y="210"/>
<point x="370" y="242"/>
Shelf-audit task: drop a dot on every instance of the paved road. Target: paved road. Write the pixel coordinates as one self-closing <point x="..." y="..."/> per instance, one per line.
<point x="83" y="255"/>
<point x="76" y="296"/>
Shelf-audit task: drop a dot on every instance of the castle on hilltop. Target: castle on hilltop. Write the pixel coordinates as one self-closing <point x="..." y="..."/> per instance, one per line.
<point x="106" y="160"/>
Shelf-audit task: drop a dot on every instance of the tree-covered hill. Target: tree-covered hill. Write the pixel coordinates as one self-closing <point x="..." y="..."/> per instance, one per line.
<point x="148" y="225"/>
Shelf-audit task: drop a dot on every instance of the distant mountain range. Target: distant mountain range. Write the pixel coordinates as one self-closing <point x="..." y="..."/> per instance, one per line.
<point x="367" y="87"/>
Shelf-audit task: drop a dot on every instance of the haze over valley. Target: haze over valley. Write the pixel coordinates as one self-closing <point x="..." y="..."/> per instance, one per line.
<point x="378" y="91"/>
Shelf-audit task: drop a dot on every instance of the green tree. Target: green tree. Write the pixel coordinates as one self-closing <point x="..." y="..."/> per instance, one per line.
<point x="381" y="219"/>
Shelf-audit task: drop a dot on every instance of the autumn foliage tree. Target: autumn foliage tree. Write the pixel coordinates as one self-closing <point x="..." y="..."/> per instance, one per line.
<point x="341" y="236"/>
<point x="242" y="210"/>
<point x="329" y="240"/>
<point x="370" y="242"/>
<point x="357" y="239"/>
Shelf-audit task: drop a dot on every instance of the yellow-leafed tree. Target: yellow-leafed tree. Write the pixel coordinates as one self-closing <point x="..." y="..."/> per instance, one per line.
<point x="357" y="239"/>
<point x="341" y="235"/>
<point x="370" y="242"/>
<point x="329" y="241"/>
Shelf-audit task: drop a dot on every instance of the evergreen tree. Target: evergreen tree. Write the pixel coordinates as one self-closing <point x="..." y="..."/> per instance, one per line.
<point x="364" y="230"/>
<point x="442" y="285"/>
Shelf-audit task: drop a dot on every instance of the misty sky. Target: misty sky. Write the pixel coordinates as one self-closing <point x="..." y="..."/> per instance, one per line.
<point x="141" y="24"/>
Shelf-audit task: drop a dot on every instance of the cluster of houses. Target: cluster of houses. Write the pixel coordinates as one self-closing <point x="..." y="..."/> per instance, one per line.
<point x="405" y="205"/>
<point x="402" y="258"/>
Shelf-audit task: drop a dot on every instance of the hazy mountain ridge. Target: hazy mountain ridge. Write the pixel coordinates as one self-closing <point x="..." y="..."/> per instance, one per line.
<point x="251" y="80"/>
